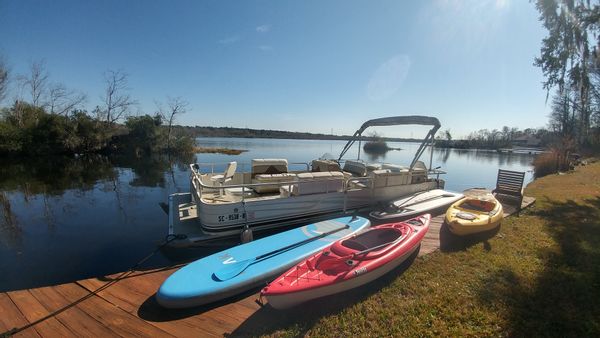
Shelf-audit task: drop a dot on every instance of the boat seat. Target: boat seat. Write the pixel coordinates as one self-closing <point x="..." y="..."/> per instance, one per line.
<point x="373" y="166"/>
<point x="269" y="170"/>
<point x="375" y="237"/>
<point x="340" y="249"/>
<point x="387" y="177"/>
<point x="314" y="183"/>
<point x="268" y="166"/>
<point x="225" y="177"/>
<point x="418" y="173"/>
<point x="394" y="167"/>
<point x="272" y="178"/>
<point x="352" y="244"/>
<point x="239" y="191"/>
<point x="325" y="165"/>
<point x="356" y="168"/>
<point x="478" y="205"/>
<point x="366" y="240"/>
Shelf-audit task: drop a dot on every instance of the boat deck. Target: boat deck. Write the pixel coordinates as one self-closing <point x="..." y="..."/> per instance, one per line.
<point x="128" y="308"/>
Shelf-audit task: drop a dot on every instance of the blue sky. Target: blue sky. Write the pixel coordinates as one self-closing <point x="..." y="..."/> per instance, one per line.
<point x="311" y="66"/>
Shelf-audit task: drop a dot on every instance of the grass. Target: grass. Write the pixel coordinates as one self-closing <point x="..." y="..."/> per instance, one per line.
<point x="538" y="276"/>
<point x="225" y="151"/>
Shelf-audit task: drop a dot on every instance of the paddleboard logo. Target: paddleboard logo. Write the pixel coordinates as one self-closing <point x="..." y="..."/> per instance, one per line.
<point x="227" y="259"/>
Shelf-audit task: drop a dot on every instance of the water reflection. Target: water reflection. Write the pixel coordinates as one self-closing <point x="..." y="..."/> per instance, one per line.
<point x="101" y="214"/>
<point x="54" y="175"/>
<point x="375" y="157"/>
<point x="98" y="213"/>
<point x="10" y="232"/>
<point x="481" y="155"/>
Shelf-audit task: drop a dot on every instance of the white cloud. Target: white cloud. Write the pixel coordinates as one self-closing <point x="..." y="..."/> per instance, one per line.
<point x="388" y="77"/>
<point x="229" y="40"/>
<point x="263" y="28"/>
<point x="265" y="48"/>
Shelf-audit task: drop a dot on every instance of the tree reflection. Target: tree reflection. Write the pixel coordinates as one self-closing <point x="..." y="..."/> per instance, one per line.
<point x="482" y="155"/>
<point x="10" y="232"/>
<point x="54" y="175"/>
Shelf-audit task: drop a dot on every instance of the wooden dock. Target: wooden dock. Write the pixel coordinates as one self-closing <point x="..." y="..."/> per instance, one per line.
<point x="128" y="308"/>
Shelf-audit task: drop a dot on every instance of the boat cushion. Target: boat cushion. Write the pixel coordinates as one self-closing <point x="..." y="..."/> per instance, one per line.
<point x="386" y="178"/>
<point x="271" y="178"/>
<point x="356" y="168"/>
<point x="268" y="166"/>
<point x="394" y="167"/>
<point x="239" y="191"/>
<point x="418" y="173"/>
<point x="325" y="165"/>
<point x="315" y="183"/>
<point x="373" y="166"/>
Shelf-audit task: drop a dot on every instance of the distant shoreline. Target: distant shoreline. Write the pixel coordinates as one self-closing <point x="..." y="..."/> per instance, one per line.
<point x="228" y="132"/>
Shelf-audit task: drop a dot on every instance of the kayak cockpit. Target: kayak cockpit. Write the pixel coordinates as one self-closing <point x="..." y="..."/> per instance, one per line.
<point x="478" y="205"/>
<point x="366" y="241"/>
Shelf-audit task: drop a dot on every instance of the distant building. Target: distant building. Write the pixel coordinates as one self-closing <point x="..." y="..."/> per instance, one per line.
<point x="526" y="141"/>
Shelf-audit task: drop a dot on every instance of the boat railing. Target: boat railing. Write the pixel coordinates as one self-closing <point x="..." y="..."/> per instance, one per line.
<point x="195" y="167"/>
<point x="331" y="185"/>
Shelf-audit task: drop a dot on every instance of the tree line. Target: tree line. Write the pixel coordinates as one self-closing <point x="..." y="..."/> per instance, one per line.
<point x="506" y="137"/>
<point x="49" y="118"/>
<point x="570" y="61"/>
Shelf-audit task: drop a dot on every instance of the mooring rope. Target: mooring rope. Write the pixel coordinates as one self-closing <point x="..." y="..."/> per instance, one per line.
<point x="123" y="275"/>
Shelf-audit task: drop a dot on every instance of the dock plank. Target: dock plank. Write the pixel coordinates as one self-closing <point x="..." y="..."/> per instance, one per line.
<point x="73" y="318"/>
<point x="118" y="320"/>
<point x="11" y="317"/>
<point x="129" y="294"/>
<point x="33" y="310"/>
<point x="127" y="308"/>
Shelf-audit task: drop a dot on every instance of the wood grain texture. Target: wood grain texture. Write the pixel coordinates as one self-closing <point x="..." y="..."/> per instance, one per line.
<point x="128" y="308"/>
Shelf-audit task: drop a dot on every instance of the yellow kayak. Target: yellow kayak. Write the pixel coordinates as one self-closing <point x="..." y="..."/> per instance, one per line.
<point x="474" y="214"/>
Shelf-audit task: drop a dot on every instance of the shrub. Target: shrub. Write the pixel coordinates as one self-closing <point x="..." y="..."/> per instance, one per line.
<point x="183" y="145"/>
<point x="556" y="160"/>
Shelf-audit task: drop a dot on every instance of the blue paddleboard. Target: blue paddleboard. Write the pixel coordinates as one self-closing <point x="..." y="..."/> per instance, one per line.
<point x="196" y="283"/>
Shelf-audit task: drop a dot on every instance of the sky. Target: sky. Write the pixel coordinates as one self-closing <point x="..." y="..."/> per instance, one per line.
<point x="317" y="66"/>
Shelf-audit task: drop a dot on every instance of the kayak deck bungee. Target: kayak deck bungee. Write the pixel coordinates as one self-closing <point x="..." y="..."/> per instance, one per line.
<point x="197" y="283"/>
<point x="348" y="263"/>
<point x="473" y="215"/>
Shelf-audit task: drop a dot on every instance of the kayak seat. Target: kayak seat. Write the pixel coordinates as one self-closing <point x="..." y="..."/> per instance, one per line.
<point x="372" y="238"/>
<point x="356" y="245"/>
<point x="478" y="205"/>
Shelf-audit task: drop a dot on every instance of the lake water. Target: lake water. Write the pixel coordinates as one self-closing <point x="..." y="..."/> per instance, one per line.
<point x="68" y="219"/>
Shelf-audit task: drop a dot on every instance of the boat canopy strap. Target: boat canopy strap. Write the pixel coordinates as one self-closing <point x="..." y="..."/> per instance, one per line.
<point x="398" y="120"/>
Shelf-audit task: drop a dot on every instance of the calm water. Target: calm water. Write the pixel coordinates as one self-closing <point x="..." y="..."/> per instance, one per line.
<point x="68" y="219"/>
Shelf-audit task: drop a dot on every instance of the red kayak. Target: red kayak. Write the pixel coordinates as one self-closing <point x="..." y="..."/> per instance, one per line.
<point x="348" y="263"/>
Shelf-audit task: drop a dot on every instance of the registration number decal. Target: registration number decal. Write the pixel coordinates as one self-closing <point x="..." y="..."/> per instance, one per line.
<point x="231" y="217"/>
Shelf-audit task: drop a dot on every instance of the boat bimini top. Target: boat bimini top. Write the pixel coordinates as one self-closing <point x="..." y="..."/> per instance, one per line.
<point x="397" y="120"/>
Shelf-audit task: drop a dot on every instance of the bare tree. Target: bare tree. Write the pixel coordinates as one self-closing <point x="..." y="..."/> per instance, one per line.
<point x="175" y="106"/>
<point x="117" y="102"/>
<point x="3" y="79"/>
<point x="62" y="101"/>
<point x="36" y="82"/>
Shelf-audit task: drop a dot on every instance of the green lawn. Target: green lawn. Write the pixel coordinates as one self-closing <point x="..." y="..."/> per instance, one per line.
<point x="539" y="275"/>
